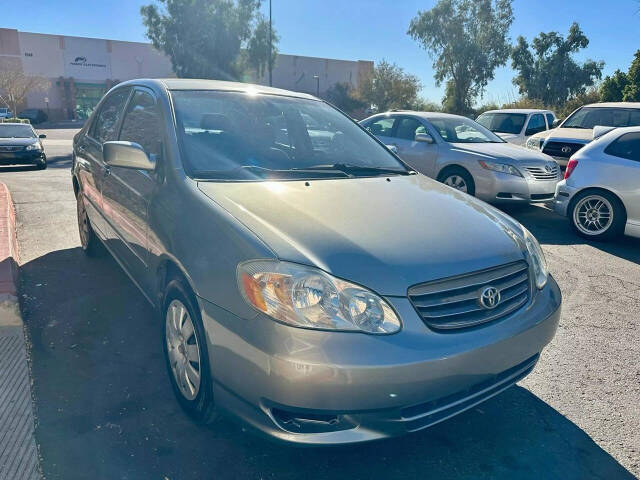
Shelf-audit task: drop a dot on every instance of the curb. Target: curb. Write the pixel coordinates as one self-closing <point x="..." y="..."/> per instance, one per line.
<point x="18" y="449"/>
<point x="9" y="309"/>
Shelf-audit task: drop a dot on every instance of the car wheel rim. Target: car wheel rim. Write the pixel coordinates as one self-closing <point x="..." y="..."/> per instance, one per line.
<point x="593" y="215"/>
<point x="183" y="350"/>
<point x="83" y="225"/>
<point x="457" y="182"/>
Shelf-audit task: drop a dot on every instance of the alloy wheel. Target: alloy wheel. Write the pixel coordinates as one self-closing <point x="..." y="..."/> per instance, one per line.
<point x="593" y="215"/>
<point x="183" y="349"/>
<point x="457" y="182"/>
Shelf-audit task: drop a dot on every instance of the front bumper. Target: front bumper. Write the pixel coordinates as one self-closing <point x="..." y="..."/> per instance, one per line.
<point x="562" y="199"/>
<point x="22" y="157"/>
<point x="316" y="387"/>
<point x="495" y="187"/>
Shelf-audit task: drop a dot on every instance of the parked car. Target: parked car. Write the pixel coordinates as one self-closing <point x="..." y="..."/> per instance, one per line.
<point x="465" y="155"/>
<point x="5" y="113"/>
<point x="600" y="193"/>
<point x="34" y="115"/>
<point x="577" y="129"/>
<point x="20" y="144"/>
<point x="325" y="294"/>
<point x="516" y="125"/>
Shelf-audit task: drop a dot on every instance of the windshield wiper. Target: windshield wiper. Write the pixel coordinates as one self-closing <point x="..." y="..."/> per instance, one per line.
<point x="262" y="173"/>
<point x="352" y="170"/>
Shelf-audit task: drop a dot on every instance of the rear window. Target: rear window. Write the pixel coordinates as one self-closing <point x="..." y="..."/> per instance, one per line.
<point x="627" y="146"/>
<point x="503" y="122"/>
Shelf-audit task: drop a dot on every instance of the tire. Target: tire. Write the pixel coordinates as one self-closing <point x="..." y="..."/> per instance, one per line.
<point x="89" y="241"/>
<point x="597" y="215"/>
<point x="42" y="165"/>
<point x="181" y="343"/>
<point x="458" y="178"/>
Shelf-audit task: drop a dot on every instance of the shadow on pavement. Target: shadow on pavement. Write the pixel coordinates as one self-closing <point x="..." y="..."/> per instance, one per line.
<point x="554" y="229"/>
<point x="105" y="406"/>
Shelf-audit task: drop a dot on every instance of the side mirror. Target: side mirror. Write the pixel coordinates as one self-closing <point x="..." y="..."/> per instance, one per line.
<point x="600" y="130"/>
<point x="42" y="135"/>
<point x="424" y="137"/>
<point x="556" y="122"/>
<point x="127" y="155"/>
<point x="393" y="148"/>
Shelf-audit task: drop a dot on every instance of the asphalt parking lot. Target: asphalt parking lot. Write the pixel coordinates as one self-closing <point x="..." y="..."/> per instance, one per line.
<point x="105" y="408"/>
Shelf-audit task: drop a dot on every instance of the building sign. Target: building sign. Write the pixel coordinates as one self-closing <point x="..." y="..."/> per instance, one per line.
<point x="86" y="58"/>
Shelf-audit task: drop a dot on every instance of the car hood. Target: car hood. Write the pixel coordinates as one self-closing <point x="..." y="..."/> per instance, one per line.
<point x="15" y="142"/>
<point x="567" y="134"/>
<point x="384" y="234"/>
<point x="508" y="136"/>
<point x="502" y="151"/>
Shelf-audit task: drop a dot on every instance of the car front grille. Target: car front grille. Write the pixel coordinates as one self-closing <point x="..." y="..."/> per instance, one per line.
<point x="561" y="149"/>
<point x="541" y="173"/>
<point x="10" y="148"/>
<point x="455" y="302"/>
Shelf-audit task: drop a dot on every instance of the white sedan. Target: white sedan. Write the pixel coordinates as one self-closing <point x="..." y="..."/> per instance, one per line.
<point x="601" y="190"/>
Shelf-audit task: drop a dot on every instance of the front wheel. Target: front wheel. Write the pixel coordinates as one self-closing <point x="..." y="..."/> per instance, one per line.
<point x="186" y="354"/>
<point x="89" y="241"/>
<point x="597" y="216"/>
<point x="458" y="178"/>
<point x="42" y="164"/>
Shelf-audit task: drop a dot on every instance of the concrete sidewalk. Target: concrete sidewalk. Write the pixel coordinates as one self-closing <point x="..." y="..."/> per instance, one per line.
<point x="18" y="451"/>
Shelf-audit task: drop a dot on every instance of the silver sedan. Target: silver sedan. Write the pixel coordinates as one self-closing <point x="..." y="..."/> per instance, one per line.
<point x="465" y="155"/>
<point x="601" y="193"/>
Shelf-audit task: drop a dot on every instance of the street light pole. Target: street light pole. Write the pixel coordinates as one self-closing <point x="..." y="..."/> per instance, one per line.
<point x="317" y="77"/>
<point x="270" y="57"/>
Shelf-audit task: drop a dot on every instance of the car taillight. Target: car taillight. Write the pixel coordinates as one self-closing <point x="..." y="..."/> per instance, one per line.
<point x="571" y="166"/>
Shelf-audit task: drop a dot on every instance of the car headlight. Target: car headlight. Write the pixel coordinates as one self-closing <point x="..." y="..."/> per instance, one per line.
<point x="535" y="143"/>
<point x="500" y="167"/>
<point x="33" y="146"/>
<point x="536" y="255"/>
<point x="308" y="297"/>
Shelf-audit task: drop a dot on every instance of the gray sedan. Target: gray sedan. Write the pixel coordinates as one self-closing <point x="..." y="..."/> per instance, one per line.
<point x="308" y="282"/>
<point x="464" y="155"/>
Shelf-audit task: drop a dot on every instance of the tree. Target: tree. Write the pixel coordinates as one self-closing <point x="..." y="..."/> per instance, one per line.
<point x="389" y="87"/>
<point x="258" y="48"/>
<point x="631" y="91"/>
<point x="467" y="40"/>
<point x="343" y="96"/>
<point x="549" y="73"/>
<point x="15" y="85"/>
<point x="612" y="88"/>
<point x="205" y="38"/>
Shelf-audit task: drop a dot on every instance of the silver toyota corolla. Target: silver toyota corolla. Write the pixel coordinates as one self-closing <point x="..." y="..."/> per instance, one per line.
<point x="465" y="155"/>
<point x="306" y="280"/>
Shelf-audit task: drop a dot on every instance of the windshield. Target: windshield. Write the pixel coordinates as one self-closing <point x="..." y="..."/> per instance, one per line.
<point x="240" y="136"/>
<point x="16" y="131"/>
<point x="462" y="130"/>
<point x="589" y="117"/>
<point x="503" y="122"/>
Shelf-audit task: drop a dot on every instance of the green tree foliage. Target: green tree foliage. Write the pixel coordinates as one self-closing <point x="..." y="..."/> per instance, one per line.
<point x="548" y="72"/>
<point x="205" y="38"/>
<point x="612" y="88"/>
<point x="389" y="87"/>
<point x="631" y="91"/>
<point x="343" y="96"/>
<point x="467" y="40"/>
<point x="258" y="48"/>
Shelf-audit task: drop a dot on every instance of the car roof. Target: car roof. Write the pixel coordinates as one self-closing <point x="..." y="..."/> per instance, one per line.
<point x="615" y="104"/>
<point x="425" y="115"/>
<point x="519" y="110"/>
<point x="219" y="85"/>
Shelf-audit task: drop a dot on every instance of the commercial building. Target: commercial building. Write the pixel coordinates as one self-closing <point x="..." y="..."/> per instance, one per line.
<point x="82" y="69"/>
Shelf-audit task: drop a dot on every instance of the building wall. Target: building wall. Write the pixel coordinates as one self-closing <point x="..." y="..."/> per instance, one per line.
<point x="79" y="68"/>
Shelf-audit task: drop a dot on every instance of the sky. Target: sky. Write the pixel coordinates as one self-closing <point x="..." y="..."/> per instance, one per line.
<point x="360" y="29"/>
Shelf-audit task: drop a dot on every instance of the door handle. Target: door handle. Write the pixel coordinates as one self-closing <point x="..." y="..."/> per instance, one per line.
<point x="81" y="149"/>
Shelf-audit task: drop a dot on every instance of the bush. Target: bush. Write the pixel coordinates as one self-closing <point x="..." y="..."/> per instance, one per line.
<point x="14" y="120"/>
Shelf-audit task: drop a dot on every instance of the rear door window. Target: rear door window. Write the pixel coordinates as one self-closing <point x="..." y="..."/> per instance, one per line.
<point x="550" y="120"/>
<point x="627" y="146"/>
<point x="536" y="124"/>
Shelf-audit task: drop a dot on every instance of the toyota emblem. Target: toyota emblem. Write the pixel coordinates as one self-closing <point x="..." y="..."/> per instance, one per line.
<point x="490" y="298"/>
<point x="548" y="168"/>
<point x="566" y="149"/>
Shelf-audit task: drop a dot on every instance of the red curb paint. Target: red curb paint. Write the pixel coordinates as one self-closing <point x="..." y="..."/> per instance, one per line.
<point x="8" y="245"/>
